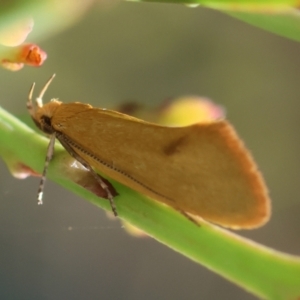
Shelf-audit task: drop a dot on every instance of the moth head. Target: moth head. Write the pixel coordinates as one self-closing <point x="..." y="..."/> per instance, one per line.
<point x="42" y="114"/>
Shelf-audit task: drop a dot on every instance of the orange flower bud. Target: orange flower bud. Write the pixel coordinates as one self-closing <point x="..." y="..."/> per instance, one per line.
<point x="26" y="54"/>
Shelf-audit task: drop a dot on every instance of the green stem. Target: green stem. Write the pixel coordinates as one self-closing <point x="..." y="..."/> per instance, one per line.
<point x="264" y="272"/>
<point x="222" y="4"/>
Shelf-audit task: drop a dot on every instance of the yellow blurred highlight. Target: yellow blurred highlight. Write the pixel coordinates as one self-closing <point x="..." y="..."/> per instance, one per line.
<point x="188" y="110"/>
<point x="182" y="111"/>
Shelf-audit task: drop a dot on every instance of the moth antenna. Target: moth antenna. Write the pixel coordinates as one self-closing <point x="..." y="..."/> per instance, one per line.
<point x="29" y="104"/>
<point x="39" y="99"/>
<point x="50" y="151"/>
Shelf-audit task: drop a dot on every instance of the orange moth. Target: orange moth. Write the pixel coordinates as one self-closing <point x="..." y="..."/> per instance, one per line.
<point x="203" y="170"/>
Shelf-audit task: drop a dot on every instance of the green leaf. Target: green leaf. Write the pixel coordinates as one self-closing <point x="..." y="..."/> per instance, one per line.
<point x="277" y="16"/>
<point x="286" y="24"/>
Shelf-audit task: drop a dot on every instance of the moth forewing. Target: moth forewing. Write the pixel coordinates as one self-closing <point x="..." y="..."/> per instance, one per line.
<point x="202" y="169"/>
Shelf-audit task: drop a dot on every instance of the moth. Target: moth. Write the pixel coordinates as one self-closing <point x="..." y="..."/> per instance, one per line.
<point x="203" y="170"/>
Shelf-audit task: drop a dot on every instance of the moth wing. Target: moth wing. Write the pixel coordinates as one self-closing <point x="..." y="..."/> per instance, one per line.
<point x="202" y="169"/>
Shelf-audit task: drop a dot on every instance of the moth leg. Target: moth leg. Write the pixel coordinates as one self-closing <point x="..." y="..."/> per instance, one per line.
<point x="101" y="181"/>
<point x="49" y="155"/>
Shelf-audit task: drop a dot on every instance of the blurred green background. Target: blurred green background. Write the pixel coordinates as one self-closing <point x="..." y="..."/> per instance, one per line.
<point x="148" y="53"/>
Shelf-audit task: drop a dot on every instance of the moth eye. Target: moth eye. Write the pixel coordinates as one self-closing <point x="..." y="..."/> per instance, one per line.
<point x="45" y="125"/>
<point x="46" y="120"/>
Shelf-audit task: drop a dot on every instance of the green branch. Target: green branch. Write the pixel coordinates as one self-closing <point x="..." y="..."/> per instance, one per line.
<point x="260" y="270"/>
